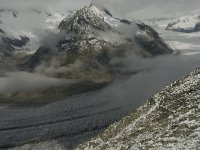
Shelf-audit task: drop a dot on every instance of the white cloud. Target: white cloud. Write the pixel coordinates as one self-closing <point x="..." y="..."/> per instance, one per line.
<point x="24" y="81"/>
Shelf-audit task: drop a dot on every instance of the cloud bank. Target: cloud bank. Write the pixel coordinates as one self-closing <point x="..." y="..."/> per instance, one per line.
<point x="24" y="81"/>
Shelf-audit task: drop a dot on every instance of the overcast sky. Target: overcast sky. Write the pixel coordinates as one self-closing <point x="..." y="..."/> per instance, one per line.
<point x="123" y="8"/>
<point x="151" y="8"/>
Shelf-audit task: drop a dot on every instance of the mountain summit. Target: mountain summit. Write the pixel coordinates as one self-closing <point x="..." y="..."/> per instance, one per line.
<point x="84" y="21"/>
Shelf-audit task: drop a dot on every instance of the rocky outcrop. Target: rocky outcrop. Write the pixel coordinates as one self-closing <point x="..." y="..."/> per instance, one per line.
<point x="16" y="42"/>
<point x="150" y="40"/>
<point x="169" y="120"/>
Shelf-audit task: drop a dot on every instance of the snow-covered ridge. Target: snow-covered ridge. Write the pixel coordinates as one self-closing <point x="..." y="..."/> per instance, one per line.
<point x="106" y="15"/>
<point x="90" y="18"/>
<point x="19" y="22"/>
<point x="169" y="120"/>
<point x="31" y="23"/>
<point x="185" y="24"/>
<point x="90" y="21"/>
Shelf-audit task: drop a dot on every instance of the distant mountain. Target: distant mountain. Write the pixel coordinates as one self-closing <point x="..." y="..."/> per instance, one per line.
<point x="92" y="20"/>
<point x="22" y="29"/>
<point x="169" y="120"/>
<point x="93" y="36"/>
<point x="185" y="24"/>
<point x="9" y="44"/>
<point x="150" y="40"/>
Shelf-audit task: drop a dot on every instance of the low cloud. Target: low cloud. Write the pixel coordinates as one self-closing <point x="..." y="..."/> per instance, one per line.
<point x="50" y="39"/>
<point x="23" y="81"/>
<point x="155" y="74"/>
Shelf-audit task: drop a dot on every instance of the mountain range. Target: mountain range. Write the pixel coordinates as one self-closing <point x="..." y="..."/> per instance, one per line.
<point x="82" y="47"/>
<point x="93" y="36"/>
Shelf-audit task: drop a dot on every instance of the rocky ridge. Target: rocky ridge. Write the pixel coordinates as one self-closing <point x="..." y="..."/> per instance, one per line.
<point x="169" y="120"/>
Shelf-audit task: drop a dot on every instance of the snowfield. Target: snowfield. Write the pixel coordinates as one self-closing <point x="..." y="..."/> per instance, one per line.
<point x="186" y="24"/>
<point x="31" y="23"/>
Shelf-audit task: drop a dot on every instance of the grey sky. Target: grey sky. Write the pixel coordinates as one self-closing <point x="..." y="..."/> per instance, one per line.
<point x="150" y="8"/>
<point x="123" y="8"/>
<point x="50" y="4"/>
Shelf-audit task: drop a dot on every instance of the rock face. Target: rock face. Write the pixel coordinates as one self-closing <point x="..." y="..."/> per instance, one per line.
<point x="149" y="39"/>
<point x="16" y="42"/>
<point x="9" y="44"/>
<point x="185" y="24"/>
<point x="169" y="120"/>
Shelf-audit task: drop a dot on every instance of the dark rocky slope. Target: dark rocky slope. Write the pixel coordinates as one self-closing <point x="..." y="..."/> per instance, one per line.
<point x="169" y="120"/>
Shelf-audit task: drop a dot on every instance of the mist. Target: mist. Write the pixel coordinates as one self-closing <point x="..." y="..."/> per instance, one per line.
<point x="50" y="39"/>
<point x="154" y="75"/>
<point x="24" y="81"/>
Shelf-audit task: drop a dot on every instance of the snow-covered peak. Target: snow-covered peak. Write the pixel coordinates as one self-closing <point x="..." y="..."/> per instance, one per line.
<point x="88" y="20"/>
<point x="190" y="23"/>
<point x="106" y="15"/>
<point x="95" y="10"/>
<point x="84" y="21"/>
<point x="91" y="21"/>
